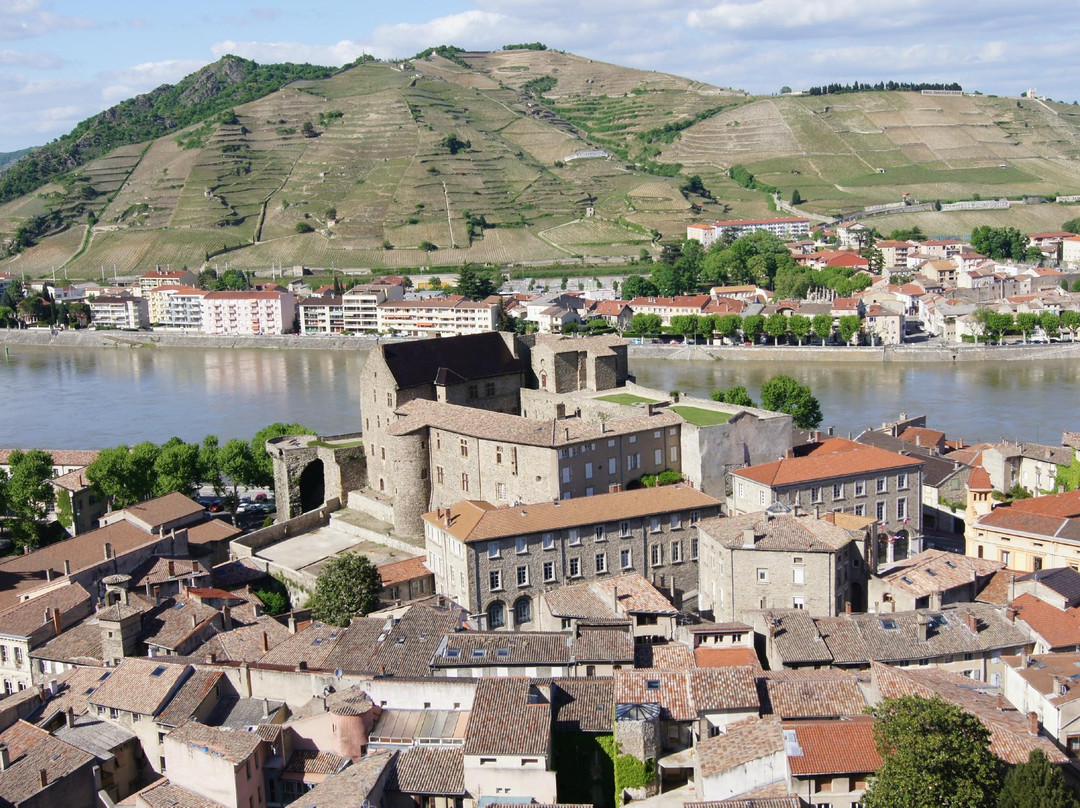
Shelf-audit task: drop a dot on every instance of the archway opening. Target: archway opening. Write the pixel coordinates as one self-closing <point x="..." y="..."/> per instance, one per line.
<point x="312" y="486"/>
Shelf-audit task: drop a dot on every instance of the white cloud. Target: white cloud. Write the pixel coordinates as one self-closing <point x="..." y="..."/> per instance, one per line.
<point x="21" y="19"/>
<point x="41" y="61"/>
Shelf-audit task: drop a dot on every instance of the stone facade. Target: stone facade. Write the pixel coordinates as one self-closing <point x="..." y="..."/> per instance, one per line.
<point x="762" y="573"/>
<point x="301" y="469"/>
<point x="506" y="575"/>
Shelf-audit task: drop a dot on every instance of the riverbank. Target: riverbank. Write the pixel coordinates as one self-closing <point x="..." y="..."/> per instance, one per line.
<point x="846" y="355"/>
<point x="756" y="353"/>
<point x="147" y="339"/>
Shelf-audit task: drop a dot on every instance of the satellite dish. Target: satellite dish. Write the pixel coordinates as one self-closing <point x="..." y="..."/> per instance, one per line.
<point x="337" y="672"/>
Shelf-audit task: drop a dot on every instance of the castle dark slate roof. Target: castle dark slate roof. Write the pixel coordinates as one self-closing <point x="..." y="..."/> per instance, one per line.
<point x="450" y="360"/>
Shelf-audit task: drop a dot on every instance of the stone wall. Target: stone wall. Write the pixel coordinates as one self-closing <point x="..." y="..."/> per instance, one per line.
<point x="246" y="546"/>
<point x="344" y="469"/>
<point x="640" y="738"/>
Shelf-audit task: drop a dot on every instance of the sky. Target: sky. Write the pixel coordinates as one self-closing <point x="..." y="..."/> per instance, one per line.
<point x="61" y="61"/>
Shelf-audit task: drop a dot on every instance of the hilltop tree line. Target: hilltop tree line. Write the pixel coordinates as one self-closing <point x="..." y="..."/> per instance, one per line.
<point x="215" y="88"/>
<point x="866" y="87"/>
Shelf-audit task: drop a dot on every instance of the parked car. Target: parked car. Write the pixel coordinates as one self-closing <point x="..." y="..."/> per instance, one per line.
<point x="212" y="504"/>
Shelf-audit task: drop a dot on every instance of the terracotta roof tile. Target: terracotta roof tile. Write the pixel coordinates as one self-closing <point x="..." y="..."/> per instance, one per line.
<point x="26" y="618"/>
<point x="139" y="686"/>
<point x="805" y="694"/>
<point x="400" y="571"/>
<point x="1060" y="629"/>
<point x="836" y="457"/>
<point x="477" y="521"/>
<point x="429" y="770"/>
<point x="742" y="743"/>
<point x="508" y="719"/>
<point x="353" y="786"/>
<point x="725" y="657"/>
<point x="31" y="751"/>
<point x="235" y="746"/>
<point x="160" y="511"/>
<point x="599" y="644"/>
<point x="937" y="571"/>
<point x="166" y="794"/>
<point x="189" y="697"/>
<point x="834" y="747"/>
<point x="583" y="704"/>
<point x="670" y="657"/>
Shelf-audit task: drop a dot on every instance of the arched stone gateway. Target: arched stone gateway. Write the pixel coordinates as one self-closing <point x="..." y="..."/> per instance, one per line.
<point x="310" y="470"/>
<point x="312" y="486"/>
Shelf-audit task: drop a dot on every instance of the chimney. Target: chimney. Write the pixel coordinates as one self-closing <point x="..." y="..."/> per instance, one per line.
<point x="108" y="551"/>
<point x="5" y="757"/>
<point x="1010" y="614"/>
<point x="972" y="623"/>
<point x="1033" y="723"/>
<point x="43" y="777"/>
<point x="194" y="620"/>
<point x="847" y="607"/>
<point x="748" y="537"/>
<point x="48" y="574"/>
<point x="57" y="627"/>
<point x="67" y="567"/>
<point x="301" y="665"/>
<point x="923" y="623"/>
<point x="157" y="595"/>
<point x="817" y="511"/>
<point x="615" y="599"/>
<point x="211" y="658"/>
<point x="172" y="568"/>
<point x="292" y="624"/>
<point x="226" y="617"/>
<point x="789" y="454"/>
<point x="53" y="688"/>
<point x="614" y="488"/>
<point x="69" y="717"/>
<point x="265" y="643"/>
<point x="266" y="708"/>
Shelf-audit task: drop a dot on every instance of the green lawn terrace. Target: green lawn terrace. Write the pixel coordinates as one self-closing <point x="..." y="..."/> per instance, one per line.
<point x="699" y="416"/>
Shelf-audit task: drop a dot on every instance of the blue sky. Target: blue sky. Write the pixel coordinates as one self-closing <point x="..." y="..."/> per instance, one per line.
<point x="61" y="61"/>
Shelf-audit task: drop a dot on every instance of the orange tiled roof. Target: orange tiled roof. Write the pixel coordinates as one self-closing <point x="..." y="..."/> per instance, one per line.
<point x="836" y="457"/>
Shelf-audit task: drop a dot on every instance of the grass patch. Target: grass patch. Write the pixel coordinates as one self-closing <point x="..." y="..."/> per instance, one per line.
<point x="335" y="445"/>
<point x="700" y="417"/>
<point x="628" y="399"/>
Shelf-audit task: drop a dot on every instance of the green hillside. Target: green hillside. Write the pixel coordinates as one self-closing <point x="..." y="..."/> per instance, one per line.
<point x="439" y="161"/>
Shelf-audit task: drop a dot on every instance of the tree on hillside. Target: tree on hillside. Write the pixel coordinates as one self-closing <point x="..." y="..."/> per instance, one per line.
<point x="1072" y="226"/>
<point x="453" y="144"/>
<point x="935" y="755"/>
<point x="796" y="197"/>
<point x="784" y="394"/>
<point x="477" y="283"/>
<point x="29" y="496"/>
<point x="348" y="586"/>
<point x="1036" y="784"/>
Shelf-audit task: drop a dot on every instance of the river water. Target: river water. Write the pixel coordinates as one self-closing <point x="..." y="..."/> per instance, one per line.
<point x="92" y="398"/>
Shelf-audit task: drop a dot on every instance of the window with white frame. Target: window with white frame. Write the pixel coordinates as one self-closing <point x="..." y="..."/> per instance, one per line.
<point x="798" y="602"/>
<point x="588" y="471"/>
<point x="815" y="494"/>
<point x="882" y="485"/>
<point x="798" y="575"/>
<point x="657" y="555"/>
<point x="500" y="491"/>
<point x="625" y="558"/>
<point x="575" y="567"/>
<point x="673" y="454"/>
<point x="574" y="536"/>
<point x="549" y="571"/>
<point x="901" y="508"/>
<point x="598" y="531"/>
<point x="522" y="545"/>
<point x="601" y="562"/>
<point x="676" y="552"/>
<point x="548" y="540"/>
<point x="493" y="549"/>
<point x="624" y="528"/>
<point x="658" y="457"/>
<point x="523" y="575"/>
<point x="676" y="521"/>
<point x="693" y="548"/>
<point x="860" y="488"/>
<point x="495" y="580"/>
<point x="880" y="511"/>
<point x="763" y="574"/>
<point x="838" y="491"/>
<point x="860" y="509"/>
<point x="901" y="480"/>
<point x="611" y="467"/>
<point x="654" y="524"/>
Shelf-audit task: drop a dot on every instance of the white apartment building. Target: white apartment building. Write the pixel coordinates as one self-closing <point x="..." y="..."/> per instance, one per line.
<point x="248" y="312"/>
<point x="118" y="312"/>
<point x="1070" y="251"/>
<point x="785" y="227"/>
<point x="321" y="315"/>
<point x="176" y="307"/>
<point x="360" y="304"/>
<point x="164" y="277"/>
<point x="439" y="316"/>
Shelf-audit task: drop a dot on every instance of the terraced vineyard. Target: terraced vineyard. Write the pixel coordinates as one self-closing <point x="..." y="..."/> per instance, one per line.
<point x="363" y="158"/>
